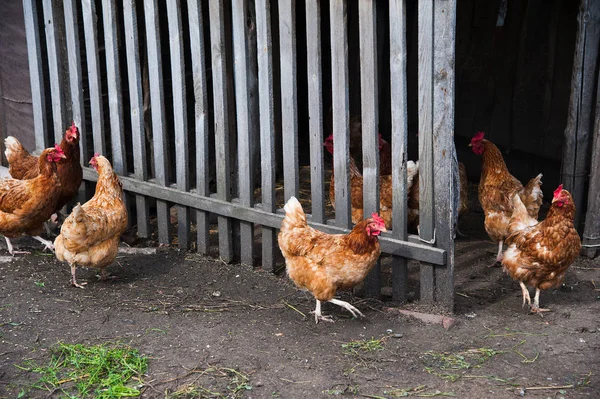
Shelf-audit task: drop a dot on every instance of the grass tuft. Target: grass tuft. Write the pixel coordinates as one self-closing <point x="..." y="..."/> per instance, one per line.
<point x="101" y="371"/>
<point x="445" y="365"/>
<point x="367" y="345"/>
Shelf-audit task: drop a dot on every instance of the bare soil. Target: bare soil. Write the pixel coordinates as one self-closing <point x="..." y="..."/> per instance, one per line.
<point x="199" y="319"/>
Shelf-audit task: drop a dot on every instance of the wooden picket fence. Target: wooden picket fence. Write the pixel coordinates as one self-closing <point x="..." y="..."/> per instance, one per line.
<point x="105" y="63"/>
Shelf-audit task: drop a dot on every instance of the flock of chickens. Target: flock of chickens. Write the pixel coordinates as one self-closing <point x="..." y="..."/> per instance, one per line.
<point x="41" y="186"/>
<point x="538" y="253"/>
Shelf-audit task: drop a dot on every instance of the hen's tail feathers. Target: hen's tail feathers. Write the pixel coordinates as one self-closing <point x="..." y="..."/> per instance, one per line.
<point x="412" y="169"/>
<point x="294" y="215"/>
<point x="78" y="213"/>
<point x="532" y="196"/>
<point x="354" y="172"/>
<point x="14" y="149"/>
<point x="520" y="218"/>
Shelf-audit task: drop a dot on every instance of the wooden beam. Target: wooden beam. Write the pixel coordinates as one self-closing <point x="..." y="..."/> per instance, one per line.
<point x="267" y="127"/>
<point x="36" y="73"/>
<point x="580" y="121"/>
<point x="232" y="209"/>
<point x="315" y="108"/>
<point x="399" y="111"/>
<point x="367" y="16"/>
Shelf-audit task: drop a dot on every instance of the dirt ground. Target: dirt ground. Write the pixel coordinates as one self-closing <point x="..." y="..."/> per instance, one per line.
<point x="199" y="319"/>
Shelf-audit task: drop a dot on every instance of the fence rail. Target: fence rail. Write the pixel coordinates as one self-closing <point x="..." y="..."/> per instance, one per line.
<point x="199" y="106"/>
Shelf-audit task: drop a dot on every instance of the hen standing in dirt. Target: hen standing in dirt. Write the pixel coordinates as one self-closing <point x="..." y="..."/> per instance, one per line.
<point x="26" y="204"/>
<point x="24" y="166"/>
<point x="90" y="235"/>
<point x="323" y="263"/>
<point x="540" y="255"/>
<point x="497" y="188"/>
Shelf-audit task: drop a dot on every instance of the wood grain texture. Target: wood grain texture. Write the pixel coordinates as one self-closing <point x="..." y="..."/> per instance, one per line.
<point x="158" y="114"/>
<point x="36" y="73"/>
<point x="399" y="111"/>
<point x="136" y="104"/>
<point x="315" y="108"/>
<point x="267" y="128"/>
<point x="340" y="108"/>
<point x="367" y="14"/>
<point x="201" y="121"/>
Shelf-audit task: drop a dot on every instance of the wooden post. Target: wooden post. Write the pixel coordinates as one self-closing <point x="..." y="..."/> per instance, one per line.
<point x="591" y="232"/>
<point x="579" y="122"/>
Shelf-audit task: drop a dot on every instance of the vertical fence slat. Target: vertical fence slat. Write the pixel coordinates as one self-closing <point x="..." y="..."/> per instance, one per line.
<point x="244" y="133"/>
<point x="180" y="117"/>
<point x="340" y="108"/>
<point x="113" y="78"/>
<point x="289" y="100"/>
<point x="267" y="125"/>
<point x="217" y="36"/>
<point x="446" y="164"/>
<point x="158" y="114"/>
<point x="36" y="73"/>
<point x="315" y="108"/>
<point x="426" y="232"/>
<point x="369" y="92"/>
<point x="399" y="141"/>
<point x="201" y="118"/>
<point x="54" y="70"/>
<point x="94" y="76"/>
<point x="137" y="112"/>
<point x="75" y="74"/>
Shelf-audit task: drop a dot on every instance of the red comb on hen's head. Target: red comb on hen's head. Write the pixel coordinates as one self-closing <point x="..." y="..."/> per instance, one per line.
<point x="378" y="219"/>
<point x="558" y="191"/>
<point x="478" y="137"/>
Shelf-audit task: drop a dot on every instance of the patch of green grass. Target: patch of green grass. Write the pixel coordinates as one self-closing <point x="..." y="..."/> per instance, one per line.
<point x="101" y="371"/>
<point x="357" y="347"/>
<point x="40" y="283"/>
<point x="445" y="365"/>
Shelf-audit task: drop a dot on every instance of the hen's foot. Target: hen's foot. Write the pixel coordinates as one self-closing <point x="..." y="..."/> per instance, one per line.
<point x="355" y="312"/>
<point x="47" y="244"/>
<point x="525" y="293"/>
<point x="75" y="284"/>
<point x="105" y="277"/>
<point x="319" y="316"/>
<point x="539" y="311"/>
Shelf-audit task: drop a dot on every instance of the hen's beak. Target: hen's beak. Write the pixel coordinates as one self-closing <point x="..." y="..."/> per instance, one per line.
<point x="62" y="155"/>
<point x="470" y="145"/>
<point x="383" y="229"/>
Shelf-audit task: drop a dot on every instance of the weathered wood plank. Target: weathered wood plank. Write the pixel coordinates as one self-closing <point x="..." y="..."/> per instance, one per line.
<point x="51" y="21"/>
<point x="267" y="128"/>
<point x="340" y="108"/>
<point x="180" y="117"/>
<point x="370" y="144"/>
<point x="315" y="108"/>
<point x="289" y="101"/>
<point x="411" y="249"/>
<point x="221" y="106"/>
<point x="36" y="73"/>
<point x="425" y="85"/>
<point x="446" y="182"/>
<point x="158" y="114"/>
<point x="579" y="122"/>
<point x="591" y="232"/>
<point x="75" y="75"/>
<point x="113" y="78"/>
<point x="136" y="101"/>
<point x="399" y="111"/>
<point x="201" y="118"/>
<point x="94" y="75"/>
<point x="244" y="128"/>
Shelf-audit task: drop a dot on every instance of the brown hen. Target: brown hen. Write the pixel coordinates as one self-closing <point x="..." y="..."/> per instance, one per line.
<point x="539" y="256"/>
<point x="324" y="263"/>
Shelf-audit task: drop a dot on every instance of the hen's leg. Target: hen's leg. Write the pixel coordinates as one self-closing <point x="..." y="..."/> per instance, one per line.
<point x="355" y="312"/>
<point x="47" y="244"/>
<point x="536" y="304"/>
<point x="499" y="255"/>
<point x="525" y="292"/>
<point x="73" y="279"/>
<point x="10" y="248"/>
<point x="319" y="316"/>
<point x="105" y="276"/>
